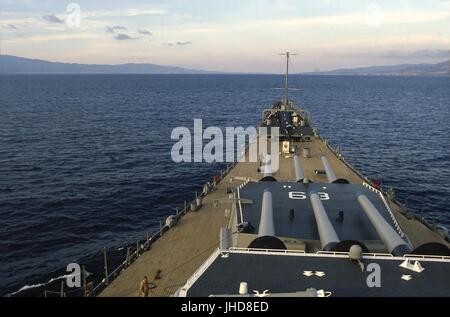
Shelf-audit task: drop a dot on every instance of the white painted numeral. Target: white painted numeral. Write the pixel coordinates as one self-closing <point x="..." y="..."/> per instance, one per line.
<point x="297" y="195"/>
<point x="323" y="196"/>
<point x="302" y="195"/>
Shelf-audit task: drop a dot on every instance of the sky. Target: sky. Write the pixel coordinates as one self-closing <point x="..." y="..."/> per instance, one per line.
<point x="228" y="35"/>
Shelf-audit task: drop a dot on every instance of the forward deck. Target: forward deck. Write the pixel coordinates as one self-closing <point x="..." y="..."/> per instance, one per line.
<point x="184" y="248"/>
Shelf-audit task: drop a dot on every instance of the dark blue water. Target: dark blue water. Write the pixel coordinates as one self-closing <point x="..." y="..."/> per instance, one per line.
<point x="85" y="159"/>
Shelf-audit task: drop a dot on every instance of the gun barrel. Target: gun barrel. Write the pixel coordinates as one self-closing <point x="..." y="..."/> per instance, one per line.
<point x="327" y="234"/>
<point x="299" y="175"/>
<point x="394" y="243"/>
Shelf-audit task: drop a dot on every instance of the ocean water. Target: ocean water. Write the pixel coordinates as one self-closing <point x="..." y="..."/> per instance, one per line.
<point x="85" y="159"/>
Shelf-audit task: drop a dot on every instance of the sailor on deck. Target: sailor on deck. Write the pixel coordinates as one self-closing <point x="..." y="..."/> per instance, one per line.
<point x="144" y="287"/>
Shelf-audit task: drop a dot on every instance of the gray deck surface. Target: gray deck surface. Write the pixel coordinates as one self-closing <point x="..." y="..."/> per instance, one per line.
<point x="281" y="274"/>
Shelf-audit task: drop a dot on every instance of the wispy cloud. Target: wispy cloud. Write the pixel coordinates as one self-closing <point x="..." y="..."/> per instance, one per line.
<point x="389" y="43"/>
<point x="124" y="13"/>
<point x="145" y="32"/>
<point x="405" y="52"/>
<point x="51" y="18"/>
<point x="427" y="53"/>
<point x="124" y="37"/>
<point x="47" y="38"/>
<point x="358" y="19"/>
<point x="112" y="29"/>
<point x="178" y="43"/>
<point x="10" y="26"/>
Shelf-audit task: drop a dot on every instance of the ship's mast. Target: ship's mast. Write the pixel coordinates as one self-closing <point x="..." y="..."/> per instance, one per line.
<point x="286" y="83"/>
<point x="286" y="80"/>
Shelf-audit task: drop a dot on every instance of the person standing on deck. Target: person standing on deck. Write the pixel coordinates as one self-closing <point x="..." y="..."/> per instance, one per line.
<point x="144" y="287"/>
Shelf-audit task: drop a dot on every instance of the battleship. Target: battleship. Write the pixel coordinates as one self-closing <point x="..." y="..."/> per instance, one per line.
<point x="314" y="227"/>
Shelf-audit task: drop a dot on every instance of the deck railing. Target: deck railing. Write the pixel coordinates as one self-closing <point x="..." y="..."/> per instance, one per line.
<point x="391" y="214"/>
<point x="142" y="246"/>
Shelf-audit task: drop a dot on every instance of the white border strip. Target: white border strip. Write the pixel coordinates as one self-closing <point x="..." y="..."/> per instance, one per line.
<point x="321" y="254"/>
<point x="238" y="250"/>
<point x="197" y="274"/>
<point x="380" y="256"/>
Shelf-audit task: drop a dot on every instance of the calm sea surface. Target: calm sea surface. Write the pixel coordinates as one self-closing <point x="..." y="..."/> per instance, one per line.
<point x="85" y="159"/>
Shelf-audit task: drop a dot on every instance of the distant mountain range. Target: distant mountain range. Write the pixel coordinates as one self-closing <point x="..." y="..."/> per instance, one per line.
<point x="440" y="69"/>
<point x="19" y="65"/>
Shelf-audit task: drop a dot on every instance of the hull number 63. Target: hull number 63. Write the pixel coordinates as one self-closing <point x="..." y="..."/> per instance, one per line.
<point x="302" y="195"/>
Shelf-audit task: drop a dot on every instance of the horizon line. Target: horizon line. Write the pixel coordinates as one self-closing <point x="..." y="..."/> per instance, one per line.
<point x="207" y="72"/>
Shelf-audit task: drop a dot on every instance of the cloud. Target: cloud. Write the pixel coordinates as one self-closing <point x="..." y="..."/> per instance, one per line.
<point x="112" y="29"/>
<point x="52" y="18"/>
<point x="360" y="19"/>
<point x="145" y="32"/>
<point x="124" y="13"/>
<point x="373" y="17"/>
<point x="45" y="38"/>
<point x="388" y="43"/>
<point x="178" y="43"/>
<point x="426" y="53"/>
<point x="124" y="37"/>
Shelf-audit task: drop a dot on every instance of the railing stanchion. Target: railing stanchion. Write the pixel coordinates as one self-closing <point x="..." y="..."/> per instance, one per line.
<point x="128" y="257"/>
<point x="105" y="258"/>
<point x="83" y="272"/>
<point x="61" y="294"/>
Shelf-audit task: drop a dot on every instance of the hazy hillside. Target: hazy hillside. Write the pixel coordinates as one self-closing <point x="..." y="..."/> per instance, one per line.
<point x="19" y="65"/>
<point x="440" y="69"/>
